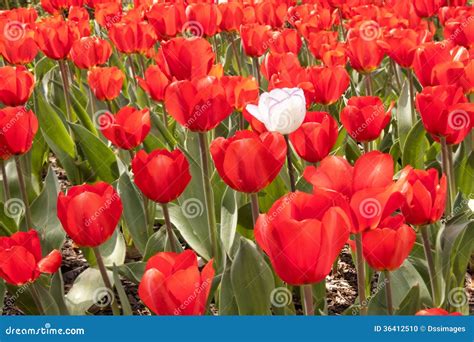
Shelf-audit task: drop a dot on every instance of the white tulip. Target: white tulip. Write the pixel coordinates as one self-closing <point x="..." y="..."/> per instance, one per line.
<point x="281" y="110"/>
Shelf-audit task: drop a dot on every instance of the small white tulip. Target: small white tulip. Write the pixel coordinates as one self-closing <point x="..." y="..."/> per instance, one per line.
<point x="281" y="110"/>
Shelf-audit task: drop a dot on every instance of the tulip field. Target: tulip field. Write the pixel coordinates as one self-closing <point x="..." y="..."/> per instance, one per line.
<point x="244" y="157"/>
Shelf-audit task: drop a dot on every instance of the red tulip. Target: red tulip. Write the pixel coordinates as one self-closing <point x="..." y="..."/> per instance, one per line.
<point x="199" y="105"/>
<point x="322" y="40"/>
<point x="315" y="137"/>
<point x="401" y="44"/>
<point x="18" y="127"/>
<point x="185" y="58"/>
<point x="79" y="17"/>
<point x="133" y="36"/>
<point x="17" y="44"/>
<point x="90" y="213"/>
<point x="388" y="245"/>
<point x="25" y="15"/>
<point x="248" y="162"/>
<point x="445" y="112"/>
<point x="161" y="175"/>
<point x="240" y="90"/>
<point x="286" y="40"/>
<point x="106" y="83"/>
<point x="166" y="18"/>
<point x="255" y="39"/>
<point x="427" y="8"/>
<point x="21" y="259"/>
<point x="89" y="52"/>
<point x="426" y="197"/>
<point x="271" y="12"/>
<point x="173" y="285"/>
<point x="16" y="85"/>
<point x="57" y="6"/>
<point x="107" y="14"/>
<point x="203" y="19"/>
<point x="460" y="29"/>
<point x="274" y="64"/>
<point x="154" y="83"/>
<point x="128" y="128"/>
<point x="365" y="117"/>
<point x="329" y="83"/>
<point x="232" y="16"/>
<point x="467" y="79"/>
<point x="436" y="312"/>
<point x="55" y="37"/>
<point x="303" y="234"/>
<point x="364" y="53"/>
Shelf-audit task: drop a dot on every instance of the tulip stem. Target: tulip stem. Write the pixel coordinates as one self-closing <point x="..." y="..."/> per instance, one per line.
<point x="92" y="105"/>
<point x="308" y="300"/>
<point x="290" y="164"/>
<point x="368" y="84"/>
<point x="360" y="274"/>
<point x="429" y="259"/>
<point x="395" y="74"/>
<point x="208" y="196"/>
<point x="24" y="194"/>
<point x="236" y="54"/>
<point x="36" y="299"/>
<point x="447" y="164"/>
<point x="412" y="95"/>
<point x="255" y="208"/>
<point x="132" y="68"/>
<point x="256" y="71"/>
<point x="6" y="187"/>
<point x="388" y="292"/>
<point x="67" y="95"/>
<point x="165" y="116"/>
<point x="366" y="146"/>
<point x="105" y="278"/>
<point x="341" y="19"/>
<point x="169" y="227"/>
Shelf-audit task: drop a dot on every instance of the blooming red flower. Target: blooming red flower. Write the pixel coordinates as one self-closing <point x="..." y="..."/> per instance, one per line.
<point x="365" y="117"/>
<point x="21" y="259"/>
<point x="79" y="17"/>
<point x="278" y="63"/>
<point x="445" y="112"/>
<point x="107" y="14"/>
<point x="363" y="50"/>
<point x="255" y="39"/>
<point x="320" y="41"/>
<point x="173" y="285"/>
<point x="400" y="44"/>
<point x="248" y="162"/>
<point x="57" y="6"/>
<point x="426" y="197"/>
<point x="460" y="29"/>
<point x="106" y="83"/>
<point x="16" y="85"/>
<point x="388" y="245"/>
<point x="286" y="40"/>
<point x="199" y="105"/>
<point x="90" y="213"/>
<point x="17" y="44"/>
<point x="55" y="37"/>
<point x="427" y="8"/>
<point x="203" y="19"/>
<point x="467" y="79"/>
<point x="185" y="58"/>
<point x="232" y="16"/>
<point x="303" y="234"/>
<point x="128" y="128"/>
<point x="166" y="18"/>
<point x="154" y="83"/>
<point x="88" y="52"/>
<point x="240" y="90"/>
<point x="133" y="36"/>
<point x="436" y="312"/>
<point x="18" y="126"/>
<point x="315" y="137"/>
<point x="329" y="83"/>
<point x="161" y="175"/>
<point x="271" y="12"/>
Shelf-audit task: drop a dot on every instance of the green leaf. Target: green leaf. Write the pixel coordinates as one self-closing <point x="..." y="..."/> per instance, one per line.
<point x="44" y="214"/>
<point x="227" y="303"/>
<point x="464" y="170"/>
<point x="124" y="302"/>
<point x="133" y="271"/>
<point x="415" y="147"/>
<point x="82" y="114"/>
<point x="8" y="225"/>
<point x="57" y="292"/>
<point x="3" y="291"/>
<point x="252" y="280"/>
<point x="101" y="158"/>
<point x="229" y="212"/>
<point x="133" y="211"/>
<point x="50" y="307"/>
<point x="403" y="115"/>
<point x="411" y="303"/>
